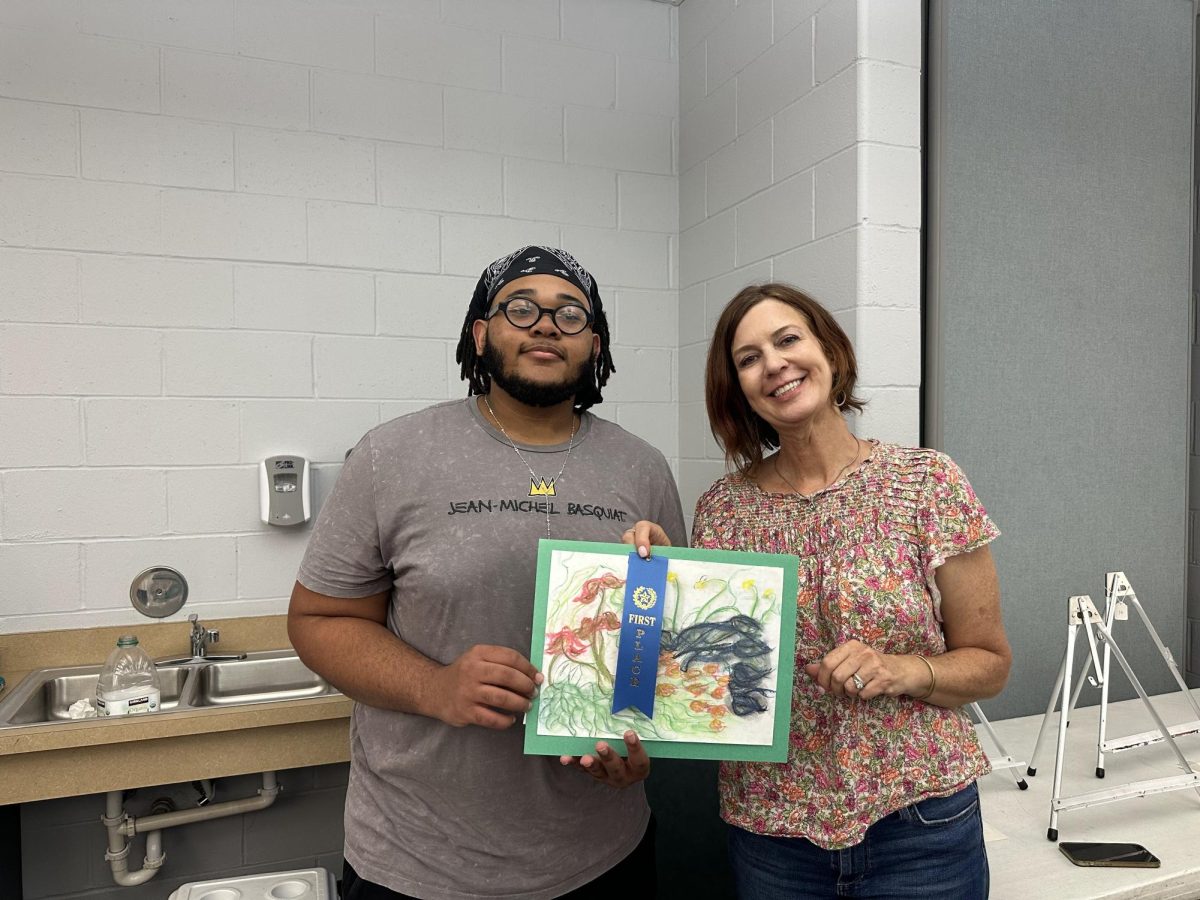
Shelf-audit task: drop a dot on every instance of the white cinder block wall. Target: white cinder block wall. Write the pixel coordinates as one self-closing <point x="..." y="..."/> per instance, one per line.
<point x="799" y="161"/>
<point x="232" y="229"/>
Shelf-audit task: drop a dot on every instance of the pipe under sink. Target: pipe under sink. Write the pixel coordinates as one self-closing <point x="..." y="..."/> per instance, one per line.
<point x="44" y="696"/>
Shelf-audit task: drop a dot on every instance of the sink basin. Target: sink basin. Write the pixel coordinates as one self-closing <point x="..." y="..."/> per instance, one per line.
<point x="257" y="681"/>
<point x="44" y="696"/>
<point x="56" y="689"/>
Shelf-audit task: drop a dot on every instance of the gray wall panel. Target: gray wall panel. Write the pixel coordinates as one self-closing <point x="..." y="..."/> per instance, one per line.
<point x="1058" y="305"/>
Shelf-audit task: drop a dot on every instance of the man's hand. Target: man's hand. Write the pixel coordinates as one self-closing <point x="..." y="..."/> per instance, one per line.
<point x="488" y="686"/>
<point x="608" y="766"/>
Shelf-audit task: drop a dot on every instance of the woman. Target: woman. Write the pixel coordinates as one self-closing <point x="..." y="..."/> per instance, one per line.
<point x="898" y="623"/>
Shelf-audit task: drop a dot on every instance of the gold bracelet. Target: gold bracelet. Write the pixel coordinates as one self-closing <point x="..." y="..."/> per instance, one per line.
<point x="932" y="679"/>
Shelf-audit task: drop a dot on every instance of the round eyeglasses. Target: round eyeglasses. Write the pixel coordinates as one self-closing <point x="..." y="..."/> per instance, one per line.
<point x="570" y="318"/>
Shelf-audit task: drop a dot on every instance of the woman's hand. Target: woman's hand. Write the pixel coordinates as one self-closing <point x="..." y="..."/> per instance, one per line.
<point x="879" y="673"/>
<point x="644" y="535"/>
<point x="608" y="766"/>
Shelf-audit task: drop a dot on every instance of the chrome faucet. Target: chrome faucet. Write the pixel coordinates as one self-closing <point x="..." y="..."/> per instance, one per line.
<point x="200" y="638"/>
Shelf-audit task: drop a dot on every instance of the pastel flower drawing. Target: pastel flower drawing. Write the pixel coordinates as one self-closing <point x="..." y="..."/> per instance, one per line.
<point x="592" y="587"/>
<point x="606" y="621"/>
<point x="565" y="641"/>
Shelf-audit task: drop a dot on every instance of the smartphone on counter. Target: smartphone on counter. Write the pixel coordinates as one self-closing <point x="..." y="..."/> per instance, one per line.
<point x="1084" y="853"/>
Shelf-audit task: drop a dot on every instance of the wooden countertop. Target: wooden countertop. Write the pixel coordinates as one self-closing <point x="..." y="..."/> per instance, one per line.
<point x="39" y="762"/>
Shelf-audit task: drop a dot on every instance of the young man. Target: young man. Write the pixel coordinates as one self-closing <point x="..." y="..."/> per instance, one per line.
<point x="415" y="598"/>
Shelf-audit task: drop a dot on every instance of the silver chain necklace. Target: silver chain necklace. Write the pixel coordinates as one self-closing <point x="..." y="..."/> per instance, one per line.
<point x="841" y="472"/>
<point x="546" y="489"/>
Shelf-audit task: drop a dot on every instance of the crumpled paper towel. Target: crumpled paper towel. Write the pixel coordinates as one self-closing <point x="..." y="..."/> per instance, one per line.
<point x="81" y="709"/>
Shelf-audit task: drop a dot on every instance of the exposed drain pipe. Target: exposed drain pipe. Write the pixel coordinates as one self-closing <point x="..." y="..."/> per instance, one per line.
<point x="121" y="825"/>
<point x="204" y="787"/>
<point x="117" y="854"/>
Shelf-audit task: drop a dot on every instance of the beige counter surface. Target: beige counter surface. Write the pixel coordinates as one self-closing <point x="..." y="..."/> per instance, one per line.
<point x="38" y="762"/>
<point x="1025" y="864"/>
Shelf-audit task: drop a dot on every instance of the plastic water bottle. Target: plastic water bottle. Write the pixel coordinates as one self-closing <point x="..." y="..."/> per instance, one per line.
<point x="128" y="682"/>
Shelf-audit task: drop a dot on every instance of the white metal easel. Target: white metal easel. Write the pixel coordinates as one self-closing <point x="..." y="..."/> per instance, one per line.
<point x="1005" y="759"/>
<point x="1081" y="612"/>
<point x="1117" y="592"/>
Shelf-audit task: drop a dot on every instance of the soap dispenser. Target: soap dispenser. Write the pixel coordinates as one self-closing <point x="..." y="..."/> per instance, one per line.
<point x="284" y="490"/>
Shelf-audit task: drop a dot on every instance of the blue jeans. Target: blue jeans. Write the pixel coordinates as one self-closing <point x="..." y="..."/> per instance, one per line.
<point x="932" y="850"/>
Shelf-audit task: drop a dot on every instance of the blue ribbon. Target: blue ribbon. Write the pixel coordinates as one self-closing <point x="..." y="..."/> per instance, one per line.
<point x="641" y="632"/>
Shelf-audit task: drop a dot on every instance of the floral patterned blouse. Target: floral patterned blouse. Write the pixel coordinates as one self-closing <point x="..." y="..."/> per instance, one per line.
<point x="868" y="546"/>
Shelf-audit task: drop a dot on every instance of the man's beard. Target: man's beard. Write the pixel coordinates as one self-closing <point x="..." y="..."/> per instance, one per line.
<point x="534" y="393"/>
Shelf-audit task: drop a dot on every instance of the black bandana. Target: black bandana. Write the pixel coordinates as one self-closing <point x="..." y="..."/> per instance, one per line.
<point x="535" y="260"/>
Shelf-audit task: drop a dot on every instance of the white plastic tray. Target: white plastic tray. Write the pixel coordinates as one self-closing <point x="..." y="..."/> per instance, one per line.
<point x="301" y="884"/>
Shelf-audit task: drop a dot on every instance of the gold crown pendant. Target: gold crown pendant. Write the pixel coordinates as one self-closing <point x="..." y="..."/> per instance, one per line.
<point x="541" y="487"/>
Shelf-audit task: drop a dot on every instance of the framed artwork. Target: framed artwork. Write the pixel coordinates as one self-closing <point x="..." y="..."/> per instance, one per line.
<point x="717" y="683"/>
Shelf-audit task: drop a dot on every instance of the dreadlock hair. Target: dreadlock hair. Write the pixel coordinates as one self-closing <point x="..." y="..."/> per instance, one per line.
<point x="480" y="382"/>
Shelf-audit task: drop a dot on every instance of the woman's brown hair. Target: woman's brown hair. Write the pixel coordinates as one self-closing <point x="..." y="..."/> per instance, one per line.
<point x="740" y="431"/>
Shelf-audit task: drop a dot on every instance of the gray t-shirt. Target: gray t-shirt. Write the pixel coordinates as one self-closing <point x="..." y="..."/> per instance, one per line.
<point x="435" y="506"/>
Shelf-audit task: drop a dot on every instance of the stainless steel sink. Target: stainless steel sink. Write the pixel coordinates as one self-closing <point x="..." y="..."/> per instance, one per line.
<point x="44" y="696"/>
<point x="257" y="681"/>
